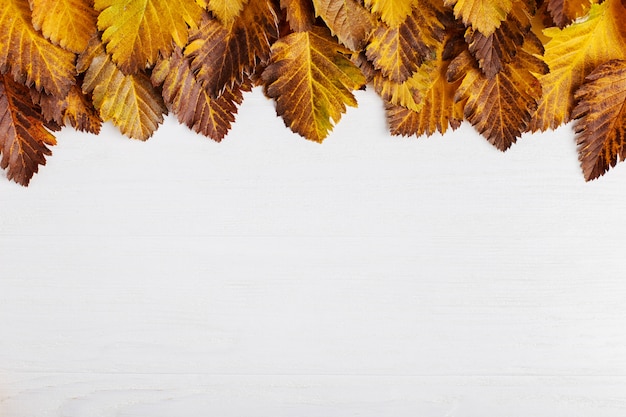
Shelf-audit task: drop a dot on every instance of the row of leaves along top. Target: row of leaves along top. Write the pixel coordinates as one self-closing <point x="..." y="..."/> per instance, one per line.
<point x="506" y="66"/>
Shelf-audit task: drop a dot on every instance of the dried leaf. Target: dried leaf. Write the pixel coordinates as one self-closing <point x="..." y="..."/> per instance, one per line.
<point x="409" y="93"/>
<point x="224" y="55"/>
<point x="601" y="119"/>
<point x="136" y="32"/>
<point x="399" y="51"/>
<point x="68" y="23"/>
<point x="300" y="14"/>
<point x="312" y="81"/>
<point x="572" y="54"/>
<point x="564" y="12"/>
<point x="392" y="12"/>
<point x="484" y="16"/>
<point x="129" y="101"/>
<point x="23" y="138"/>
<point x="226" y="10"/>
<point x="192" y="104"/>
<point x="500" y="108"/>
<point x="28" y="56"/>
<point x="346" y="19"/>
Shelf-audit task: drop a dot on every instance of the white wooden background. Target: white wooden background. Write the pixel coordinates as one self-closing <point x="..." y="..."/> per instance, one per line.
<point x="272" y="276"/>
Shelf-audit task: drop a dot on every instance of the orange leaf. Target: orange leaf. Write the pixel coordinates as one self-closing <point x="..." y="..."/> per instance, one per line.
<point x="223" y="55"/>
<point x="300" y="14"/>
<point x="601" y="119"/>
<point x="28" y="56"/>
<point x="23" y="137"/>
<point x="68" y="23"/>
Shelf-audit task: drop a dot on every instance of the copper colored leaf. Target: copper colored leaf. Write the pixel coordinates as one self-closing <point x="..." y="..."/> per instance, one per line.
<point x="300" y="14"/>
<point x="346" y="19"/>
<point x="564" y="12"/>
<point x="223" y="55"/>
<point x="601" y="119"/>
<point x="68" y="23"/>
<point x="226" y="10"/>
<point x="398" y="52"/>
<point x="572" y="54"/>
<point x="129" y="101"/>
<point x="74" y="109"/>
<point x="23" y="138"/>
<point x="484" y="16"/>
<point x="28" y="56"/>
<point x="192" y="104"/>
<point x="500" y="108"/>
<point x="136" y="32"/>
<point x="312" y="81"/>
<point x="392" y="12"/>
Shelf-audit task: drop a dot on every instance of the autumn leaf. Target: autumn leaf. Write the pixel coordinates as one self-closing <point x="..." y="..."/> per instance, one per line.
<point x="226" y="10"/>
<point x="500" y="108"/>
<point x="129" y="101"/>
<point x="564" y="12"/>
<point x="312" y="81"/>
<point x="399" y="51"/>
<point x="438" y="109"/>
<point x="75" y="109"/>
<point x="572" y="53"/>
<point x="601" y="119"/>
<point x="136" y="32"/>
<point x="224" y="55"/>
<point x="300" y="14"/>
<point x="346" y="19"/>
<point x="68" y="23"/>
<point x="23" y="138"/>
<point x="193" y="105"/>
<point x="409" y="93"/>
<point x="484" y="16"/>
<point x="392" y="12"/>
<point x="29" y="57"/>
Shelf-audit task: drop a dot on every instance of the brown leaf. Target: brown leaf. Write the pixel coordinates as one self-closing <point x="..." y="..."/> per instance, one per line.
<point x="224" y="55"/>
<point x="564" y="12"/>
<point x="23" y="137"/>
<point x="346" y="19"/>
<point x="601" y="119"/>
<point x="300" y="14"/>
<point x="192" y="104"/>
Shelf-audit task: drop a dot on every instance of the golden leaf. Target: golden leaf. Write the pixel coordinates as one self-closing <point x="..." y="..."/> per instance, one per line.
<point x="129" y="101"/>
<point x="601" y="119"/>
<point x="392" y="12"/>
<point x="136" y="32"/>
<point x="312" y="82"/>
<point x="192" y="104"/>
<point x="346" y="19"/>
<point x="484" y="16"/>
<point x="572" y="53"/>
<point x="399" y="51"/>
<point x="300" y="14"/>
<point x="23" y="137"/>
<point x="223" y="55"/>
<point x="409" y="93"/>
<point x="564" y="12"/>
<point x="28" y="56"/>
<point x="68" y="23"/>
<point x="226" y="10"/>
<point x="500" y="108"/>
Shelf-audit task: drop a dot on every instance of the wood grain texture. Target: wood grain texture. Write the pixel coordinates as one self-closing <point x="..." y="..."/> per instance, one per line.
<point x="271" y="276"/>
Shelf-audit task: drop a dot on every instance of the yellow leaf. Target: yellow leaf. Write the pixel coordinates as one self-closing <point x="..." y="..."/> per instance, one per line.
<point x="392" y="12"/>
<point x="68" y="23"/>
<point x="300" y="14"/>
<point x="399" y="51"/>
<point x="129" y="101"/>
<point x="484" y="16"/>
<point x="23" y="137"/>
<point x="223" y="55"/>
<point x="136" y="32"/>
<point x="564" y="12"/>
<point x="192" y="104"/>
<point x="601" y="119"/>
<point x="438" y="107"/>
<point x="28" y="56"/>
<point x="409" y="93"/>
<point x="346" y="19"/>
<point x="572" y="54"/>
<point x="312" y="82"/>
<point x="500" y="108"/>
<point x="226" y="10"/>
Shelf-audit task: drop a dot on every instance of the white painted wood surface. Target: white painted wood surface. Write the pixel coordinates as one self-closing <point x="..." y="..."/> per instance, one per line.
<point x="271" y="276"/>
